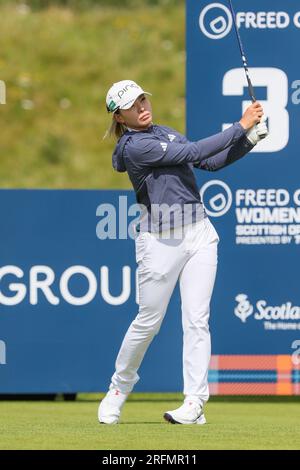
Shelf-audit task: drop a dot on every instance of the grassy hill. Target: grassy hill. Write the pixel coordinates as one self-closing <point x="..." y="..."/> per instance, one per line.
<point x="57" y="64"/>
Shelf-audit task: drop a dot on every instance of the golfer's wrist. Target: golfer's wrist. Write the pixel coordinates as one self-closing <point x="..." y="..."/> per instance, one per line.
<point x="244" y="125"/>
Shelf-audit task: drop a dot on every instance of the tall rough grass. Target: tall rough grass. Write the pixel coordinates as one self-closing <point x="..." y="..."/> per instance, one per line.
<point x="57" y="64"/>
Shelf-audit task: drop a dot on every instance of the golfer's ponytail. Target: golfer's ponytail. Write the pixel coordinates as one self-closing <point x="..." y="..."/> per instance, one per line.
<point x="116" y="129"/>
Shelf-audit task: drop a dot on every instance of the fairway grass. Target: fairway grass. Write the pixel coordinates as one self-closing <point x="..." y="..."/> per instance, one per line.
<point x="73" y="425"/>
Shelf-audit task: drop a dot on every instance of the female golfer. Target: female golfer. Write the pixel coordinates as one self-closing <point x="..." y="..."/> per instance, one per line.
<point x="176" y="240"/>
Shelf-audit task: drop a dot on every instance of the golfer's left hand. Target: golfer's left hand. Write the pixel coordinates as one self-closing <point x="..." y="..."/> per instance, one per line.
<point x="258" y="132"/>
<point x="262" y="128"/>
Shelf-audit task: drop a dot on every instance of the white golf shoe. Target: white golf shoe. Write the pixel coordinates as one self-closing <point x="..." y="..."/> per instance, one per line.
<point x="188" y="413"/>
<point x="110" y="407"/>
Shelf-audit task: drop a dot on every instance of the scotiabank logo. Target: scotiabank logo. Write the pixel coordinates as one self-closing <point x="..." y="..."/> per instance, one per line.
<point x="42" y="283"/>
<point x="215" y="20"/>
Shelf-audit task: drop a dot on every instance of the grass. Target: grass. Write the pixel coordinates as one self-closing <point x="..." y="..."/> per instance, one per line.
<point x="58" y="63"/>
<point x="232" y="424"/>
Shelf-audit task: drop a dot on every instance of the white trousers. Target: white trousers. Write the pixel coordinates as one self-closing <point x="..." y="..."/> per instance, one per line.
<point x="192" y="259"/>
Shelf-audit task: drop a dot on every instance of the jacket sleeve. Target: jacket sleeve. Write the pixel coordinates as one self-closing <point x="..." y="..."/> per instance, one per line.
<point x="227" y="156"/>
<point x="150" y="150"/>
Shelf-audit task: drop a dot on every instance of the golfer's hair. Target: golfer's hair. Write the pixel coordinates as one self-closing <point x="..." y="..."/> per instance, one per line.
<point x="116" y="128"/>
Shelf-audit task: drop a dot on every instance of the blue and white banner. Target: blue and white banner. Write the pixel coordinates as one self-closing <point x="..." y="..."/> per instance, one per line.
<point x="255" y="203"/>
<point x="68" y="294"/>
<point x="68" y="291"/>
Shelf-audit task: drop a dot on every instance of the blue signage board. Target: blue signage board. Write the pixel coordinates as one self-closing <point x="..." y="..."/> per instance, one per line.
<point x="254" y="203"/>
<point x="67" y="296"/>
<point x="68" y="292"/>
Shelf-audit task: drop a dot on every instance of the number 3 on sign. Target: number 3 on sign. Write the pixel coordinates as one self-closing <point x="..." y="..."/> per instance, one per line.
<point x="276" y="83"/>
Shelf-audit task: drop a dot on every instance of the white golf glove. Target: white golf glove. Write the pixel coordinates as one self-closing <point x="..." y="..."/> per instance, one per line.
<point x="258" y="132"/>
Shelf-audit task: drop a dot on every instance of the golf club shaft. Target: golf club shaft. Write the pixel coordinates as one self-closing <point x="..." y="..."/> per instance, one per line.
<point x="244" y="60"/>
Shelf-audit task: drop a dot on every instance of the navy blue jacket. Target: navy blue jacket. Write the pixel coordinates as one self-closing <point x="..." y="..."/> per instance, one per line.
<point x="160" y="161"/>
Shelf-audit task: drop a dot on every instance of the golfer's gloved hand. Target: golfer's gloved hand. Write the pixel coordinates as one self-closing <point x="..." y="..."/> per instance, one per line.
<point x="258" y="132"/>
